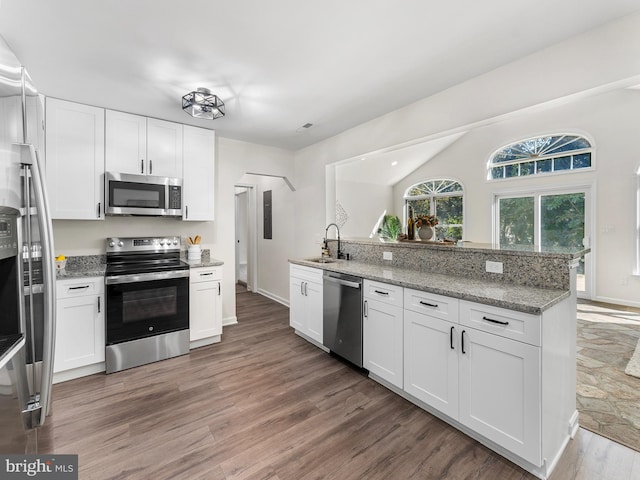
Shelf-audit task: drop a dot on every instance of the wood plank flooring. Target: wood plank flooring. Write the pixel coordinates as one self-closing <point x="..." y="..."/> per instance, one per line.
<point x="265" y="404"/>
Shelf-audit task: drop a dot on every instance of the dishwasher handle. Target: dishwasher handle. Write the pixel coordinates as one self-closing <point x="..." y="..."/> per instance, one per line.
<point x="346" y="283"/>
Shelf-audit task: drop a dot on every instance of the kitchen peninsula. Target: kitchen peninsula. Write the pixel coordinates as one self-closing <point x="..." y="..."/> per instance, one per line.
<point x="492" y="354"/>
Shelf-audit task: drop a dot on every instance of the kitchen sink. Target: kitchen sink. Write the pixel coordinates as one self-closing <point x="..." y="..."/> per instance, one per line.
<point x="321" y="260"/>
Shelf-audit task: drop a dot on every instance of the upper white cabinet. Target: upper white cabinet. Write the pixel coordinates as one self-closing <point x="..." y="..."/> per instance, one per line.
<point x="143" y="146"/>
<point x="198" y="179"/>
<point x="75" y="160"/>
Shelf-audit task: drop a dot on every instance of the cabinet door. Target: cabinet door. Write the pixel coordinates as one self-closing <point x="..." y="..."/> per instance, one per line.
<point x="198" y="178"/>
<point x="126" y="143"/>
<point x="297" y="304"/>
<point x="500" y="391"/>
<point x="383" y="340"/>
<point x="164" y="148"/>
<point x="75" y="160"/>
<point x="431" y="361"/>
<point x="79" y="332"/>
<point x="313" y="310"/>
<point x="205" y="310"/>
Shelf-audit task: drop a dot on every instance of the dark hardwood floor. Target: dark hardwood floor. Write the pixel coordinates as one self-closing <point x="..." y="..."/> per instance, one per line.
<point x="265" y="404"/>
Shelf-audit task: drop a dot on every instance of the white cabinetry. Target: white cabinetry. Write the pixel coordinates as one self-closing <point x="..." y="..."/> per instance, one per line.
<point x="80" y="328"/>
<point x="305" y="302"/>
<point x="382" y="341"/>
<point x="205" y="305"/>
<point x="143" y="146"/>
<point x="74" y="160"/>
<point x="431" y="338"/>
<point x="198" y="179"/>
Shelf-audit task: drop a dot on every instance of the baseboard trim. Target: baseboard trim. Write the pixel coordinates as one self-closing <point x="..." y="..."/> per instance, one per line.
<point x="616" y="301"/>
<point x="273" y="297"/>
<point x="229" y="321"/>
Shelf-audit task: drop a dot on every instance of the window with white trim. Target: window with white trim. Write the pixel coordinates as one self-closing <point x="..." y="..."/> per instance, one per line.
<point x="443" y="198"/>
<point x="541" y="156"/>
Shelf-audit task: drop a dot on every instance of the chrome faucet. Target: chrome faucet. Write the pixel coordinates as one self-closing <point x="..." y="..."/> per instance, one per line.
<point x="326" y="246"/>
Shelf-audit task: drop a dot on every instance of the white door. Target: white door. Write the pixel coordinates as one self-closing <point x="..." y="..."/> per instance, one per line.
<point x="164" y="148"/>
<point x="382" y="341"/>
<point x="126" y="143"/>
<point x="313" y="310"/>
<point x="500" y="391"/>
<point x="431" y="361"/>
<point x="297" y="304"/>
<point x="198" y="178"/>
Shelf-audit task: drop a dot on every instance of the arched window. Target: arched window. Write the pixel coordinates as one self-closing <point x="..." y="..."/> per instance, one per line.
<point x="442" y="198"/>
<point x="541" y="155"/>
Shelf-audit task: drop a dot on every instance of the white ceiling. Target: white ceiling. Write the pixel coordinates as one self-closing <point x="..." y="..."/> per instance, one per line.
<point x="278" y="64"/>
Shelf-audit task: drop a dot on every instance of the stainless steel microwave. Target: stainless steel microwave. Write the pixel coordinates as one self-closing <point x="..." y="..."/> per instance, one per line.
<point x="128" y="194"/>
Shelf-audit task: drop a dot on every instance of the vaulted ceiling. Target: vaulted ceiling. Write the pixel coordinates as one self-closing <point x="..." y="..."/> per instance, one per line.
<point x="280" y="64"/>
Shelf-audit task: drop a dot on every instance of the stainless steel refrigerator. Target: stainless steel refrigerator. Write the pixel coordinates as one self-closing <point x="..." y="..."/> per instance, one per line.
<point x="27" y="272"/>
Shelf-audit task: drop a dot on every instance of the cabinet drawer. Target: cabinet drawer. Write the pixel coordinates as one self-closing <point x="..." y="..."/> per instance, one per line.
<point x="519" y="326"/>
<point x="205" y="274"/>
<point x="431" y="304"/>
<point x="383" y="292"/>
<point x="309" y="274"/>
<point x="79" y="287"/>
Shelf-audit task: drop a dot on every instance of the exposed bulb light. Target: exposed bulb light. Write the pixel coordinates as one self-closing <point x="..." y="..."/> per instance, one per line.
<point x="203" y="104"/>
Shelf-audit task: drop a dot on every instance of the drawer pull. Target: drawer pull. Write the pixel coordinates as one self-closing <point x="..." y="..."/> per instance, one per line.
<point x="499" y="322"/>
<point x="206" y="274"/>
<point x="381" y="293"/>
<point x="462" y="337"/>
<point x="432" y="305"/>
<point x="451" y="338"/>
<point x="79" y="288"/>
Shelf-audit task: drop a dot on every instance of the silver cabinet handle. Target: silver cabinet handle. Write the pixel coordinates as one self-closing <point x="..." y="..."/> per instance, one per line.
<point x="99" y="205"/>
<point x="150" y="167"/>
<point x="219" y="289"/>
<point x="366" y="309"/>
<point x="301" y="288"/>
<point x="98" y="304"/>
<point x="206" y="274"/>
<point x="306" y="289"/>
<point x="142" y="165"/>
<point x="83" y="287"/>
<point x="186" y="211"/>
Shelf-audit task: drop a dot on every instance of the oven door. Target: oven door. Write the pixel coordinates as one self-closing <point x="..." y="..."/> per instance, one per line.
<point x="140" y="306"/>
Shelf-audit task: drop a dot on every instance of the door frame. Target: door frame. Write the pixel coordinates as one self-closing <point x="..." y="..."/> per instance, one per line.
<point x="589" y="190"/>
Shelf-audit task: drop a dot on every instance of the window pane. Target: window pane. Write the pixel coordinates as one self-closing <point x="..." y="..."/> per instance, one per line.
<point x="543" y="165"/>
<point x="561" y="163"/>
<point x="449" y="210"/>
<point x="420" y="207"/>
<point x="562" y="220"/>
<point x="497" y="172"/>
<point x="516" y="221"/>
<point x="449" y="233"/>
<point x="511" y="170"/>
<point x="527" y="168"/>
<point x="582" y="161"/>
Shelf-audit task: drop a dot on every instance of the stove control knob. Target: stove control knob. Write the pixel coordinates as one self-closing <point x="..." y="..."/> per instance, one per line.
<point x="121" y="243"/>
<point x="175" y="241"/>
<point x="112" y="243"/>
<point x="162" y="242"/>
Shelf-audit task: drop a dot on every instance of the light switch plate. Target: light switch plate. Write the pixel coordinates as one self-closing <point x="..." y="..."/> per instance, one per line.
<point x="387" y="255"/>
<point x="494" y="267"/>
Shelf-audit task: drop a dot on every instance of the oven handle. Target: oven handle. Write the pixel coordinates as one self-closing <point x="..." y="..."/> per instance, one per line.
<point x="145" y="277"/>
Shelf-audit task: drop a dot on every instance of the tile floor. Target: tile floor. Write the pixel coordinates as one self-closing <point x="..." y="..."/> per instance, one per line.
<point x="608" y="399"/>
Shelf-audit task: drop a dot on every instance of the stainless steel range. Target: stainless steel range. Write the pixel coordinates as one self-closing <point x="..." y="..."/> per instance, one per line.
<point x="147" y="301"/>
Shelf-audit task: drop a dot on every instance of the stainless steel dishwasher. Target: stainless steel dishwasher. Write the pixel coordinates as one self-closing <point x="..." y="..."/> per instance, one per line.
<point x="342" y="316"/>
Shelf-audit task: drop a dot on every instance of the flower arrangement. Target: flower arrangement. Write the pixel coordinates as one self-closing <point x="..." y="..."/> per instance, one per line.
<point x="426" y="220"/>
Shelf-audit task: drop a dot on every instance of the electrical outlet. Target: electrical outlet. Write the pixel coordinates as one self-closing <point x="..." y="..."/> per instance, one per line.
<point x="387" y="255"/>
<point x="494" y="267"/>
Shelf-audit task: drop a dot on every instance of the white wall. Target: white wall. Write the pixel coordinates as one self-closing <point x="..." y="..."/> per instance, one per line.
<point x="234" y="159"/>
<point x="363" y="204"/>
<point x="537" y="94"/>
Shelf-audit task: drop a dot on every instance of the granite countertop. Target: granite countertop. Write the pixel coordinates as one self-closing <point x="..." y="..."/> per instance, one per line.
<point x="203" y="262"/>
<point x="504" y="295"/>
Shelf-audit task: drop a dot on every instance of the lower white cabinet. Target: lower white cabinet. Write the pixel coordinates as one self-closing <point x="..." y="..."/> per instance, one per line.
<point x="80" y="328"/>
<point x="205" y="305"/>
<point x="382" y="328"/>
<point x="305" y="301"/>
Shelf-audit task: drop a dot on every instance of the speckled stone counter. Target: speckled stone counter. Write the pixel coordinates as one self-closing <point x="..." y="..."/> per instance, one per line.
<point x="505" y="295"/>
<point x="83" y="266"/>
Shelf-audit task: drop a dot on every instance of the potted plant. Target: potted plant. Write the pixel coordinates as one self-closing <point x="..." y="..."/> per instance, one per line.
<point x="390" y="228"/>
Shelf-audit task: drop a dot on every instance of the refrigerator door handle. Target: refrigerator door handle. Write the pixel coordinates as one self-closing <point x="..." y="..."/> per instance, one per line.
<point x="46" y="232"/>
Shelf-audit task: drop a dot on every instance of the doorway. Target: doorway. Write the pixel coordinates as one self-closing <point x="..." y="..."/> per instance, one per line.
<point x="245" y="238"/>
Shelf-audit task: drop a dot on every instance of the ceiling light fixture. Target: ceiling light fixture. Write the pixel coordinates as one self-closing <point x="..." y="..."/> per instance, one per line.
<point x="203" y="104"/>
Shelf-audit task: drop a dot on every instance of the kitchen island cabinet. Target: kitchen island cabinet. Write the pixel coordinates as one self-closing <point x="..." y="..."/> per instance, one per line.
<point x="74" y="160"/>
<point x="80" y="328"/>
<point x="205" y="306"/>
<point x="142" y="146"/>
